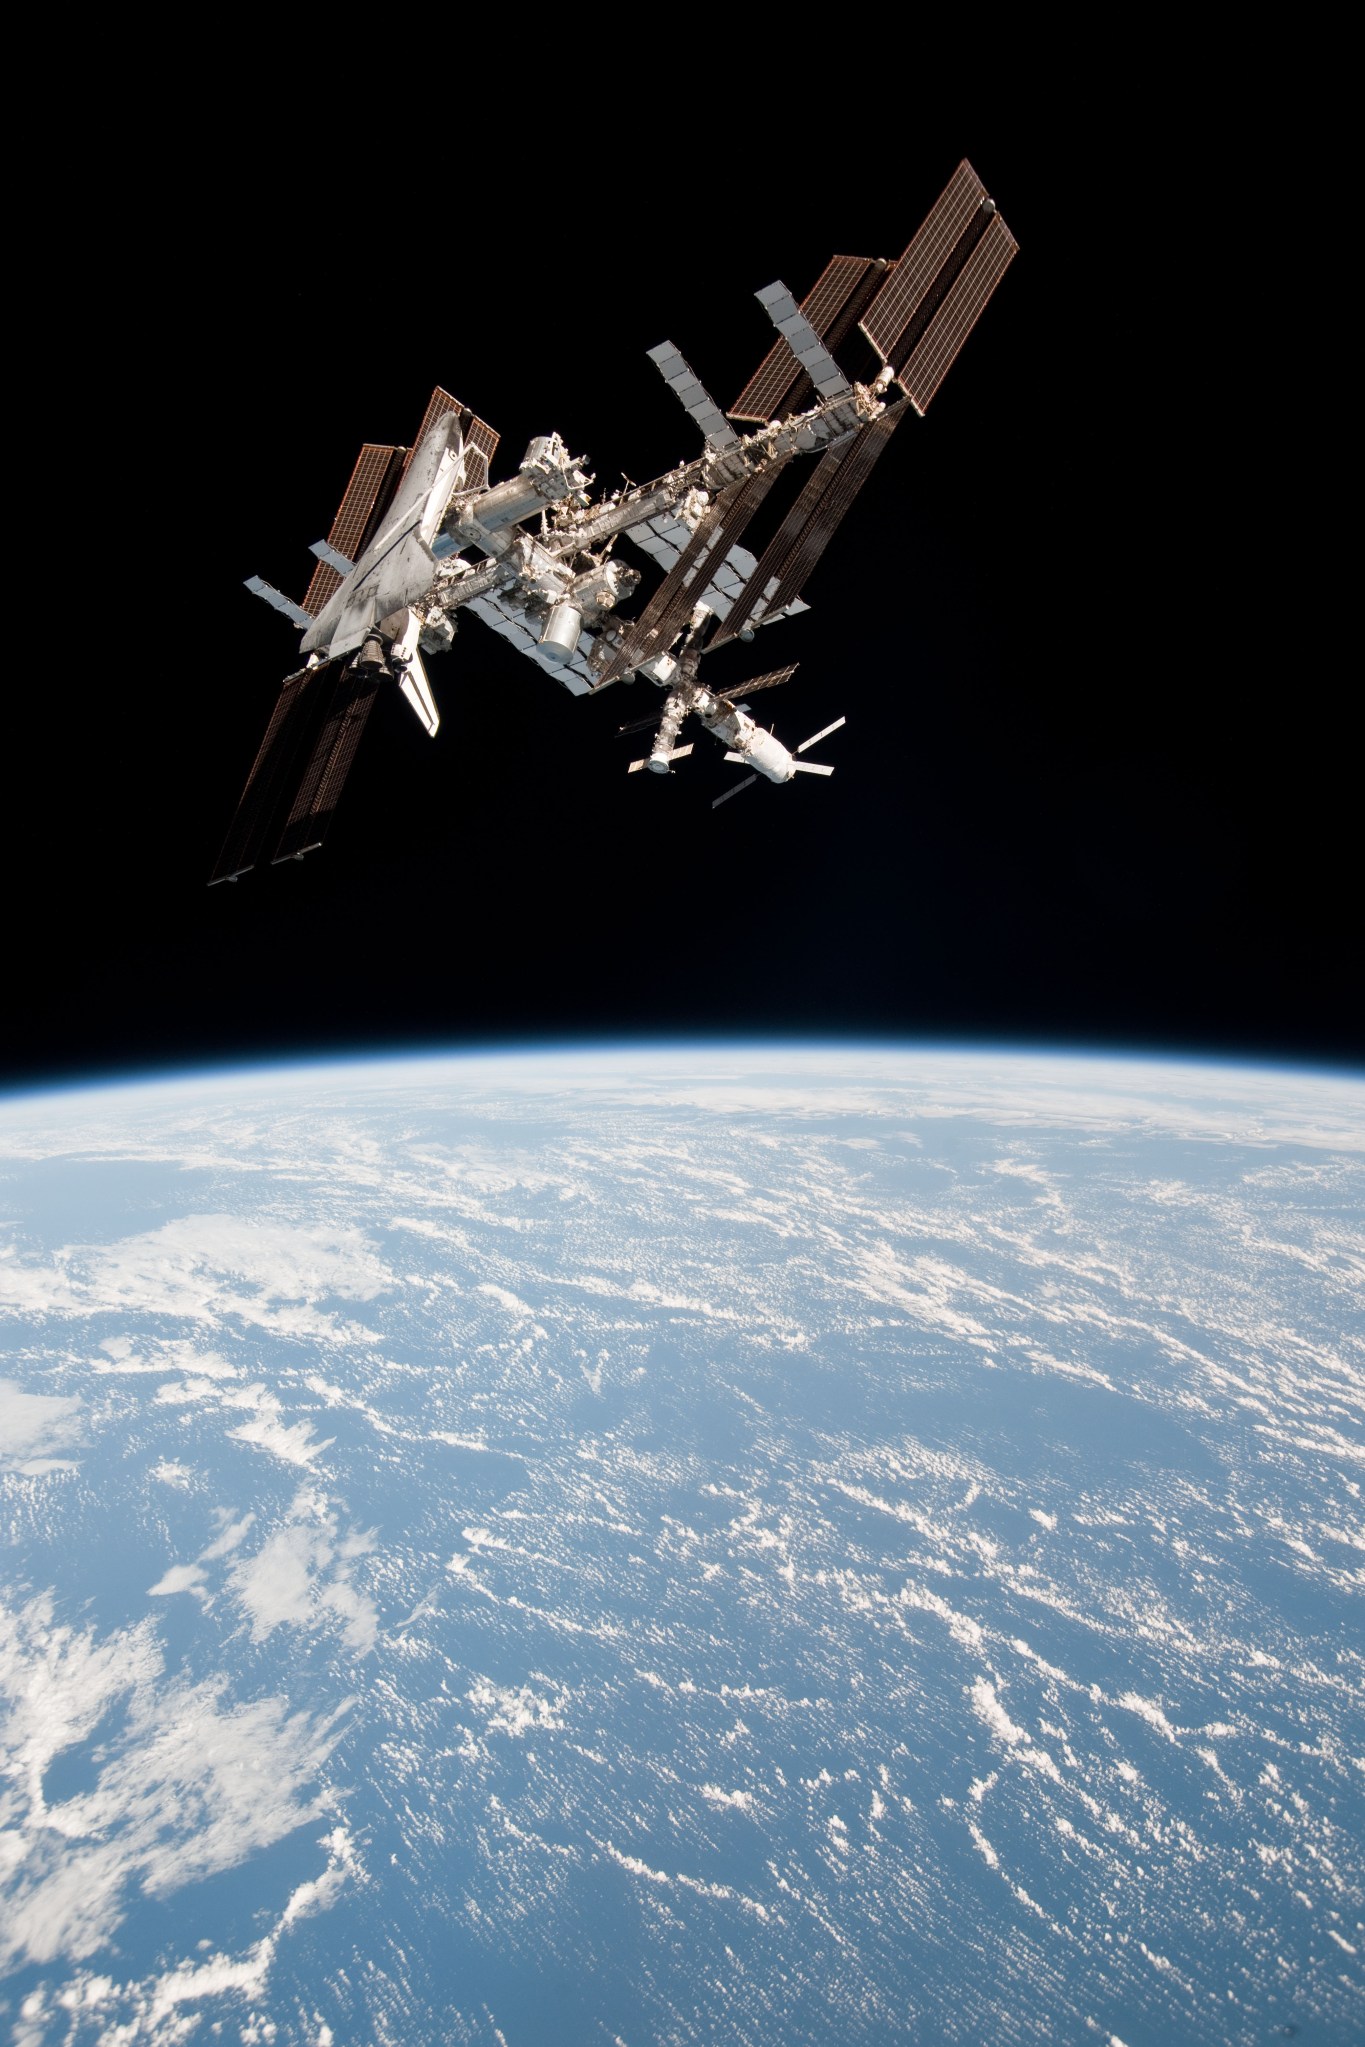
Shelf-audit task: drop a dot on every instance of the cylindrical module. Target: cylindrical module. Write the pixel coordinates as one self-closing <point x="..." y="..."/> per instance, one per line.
<point x="559" y="641"/>
<point x="768" y="755"/>
<point x="666" y="738"/>
<point x="755" y="747"/>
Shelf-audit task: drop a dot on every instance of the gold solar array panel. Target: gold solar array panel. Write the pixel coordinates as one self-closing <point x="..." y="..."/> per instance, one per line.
<point x="900" y="298"/>
<point x="320" y="787"/>
<point x="687" y="581"/>
<point x="779" y="385"/>
<point x="269" y="778"/>
<point x="936" y="350"/>
<point x="838" y="496"/>
<point x="477" y="432"/>
<point x="372" y="479"/>
<point x="780" y="546"/>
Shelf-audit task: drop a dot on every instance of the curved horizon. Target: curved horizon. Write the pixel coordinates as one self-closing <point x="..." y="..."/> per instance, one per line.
<point x="265" y="1068"/>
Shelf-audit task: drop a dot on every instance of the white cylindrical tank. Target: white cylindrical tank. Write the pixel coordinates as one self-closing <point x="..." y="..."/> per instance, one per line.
<point x="768" y="755"/>
<point x="559" y="641"/>
<point x="757" y="748"/>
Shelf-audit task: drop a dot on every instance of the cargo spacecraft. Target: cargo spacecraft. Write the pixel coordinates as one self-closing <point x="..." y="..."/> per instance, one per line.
<point x="424" y="535"/>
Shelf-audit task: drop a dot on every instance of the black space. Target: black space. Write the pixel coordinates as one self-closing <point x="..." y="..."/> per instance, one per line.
<point x="1087" y="793"/>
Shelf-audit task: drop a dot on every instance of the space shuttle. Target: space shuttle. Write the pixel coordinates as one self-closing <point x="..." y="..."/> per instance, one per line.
<point x="424" y="536"/>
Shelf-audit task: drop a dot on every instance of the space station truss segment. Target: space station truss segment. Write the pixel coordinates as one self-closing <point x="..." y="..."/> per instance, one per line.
<point x="319" y="789"/>
<point x="935" y="352"/>
<point x="833" y="306"/>
<point x="366" y="499"/>
<point x="687" y="581"/>
<point x="269" y="781"/>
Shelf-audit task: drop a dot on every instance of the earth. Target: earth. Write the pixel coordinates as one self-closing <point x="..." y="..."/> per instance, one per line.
<point x="672" y="1545"/>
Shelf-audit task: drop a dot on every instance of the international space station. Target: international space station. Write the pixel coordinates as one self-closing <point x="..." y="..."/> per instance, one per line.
<point x="423" y="535"/>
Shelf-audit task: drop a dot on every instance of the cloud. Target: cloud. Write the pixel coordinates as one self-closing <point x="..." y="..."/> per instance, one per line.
<point x="35" y="1428"/>
<point x="301" y="1576"/>
<point x="168" y="1471"/>
<point x="180" y="1578"/>
<point x="988" y="1708"/>
<point x="207" y="1268"/>
<point x="230" y="1533"/>
<point x="186" y="1782"/>
<point x="154" y="2009"/>
<point x="512" y="1711"/>
<point x="291" y="1442"/>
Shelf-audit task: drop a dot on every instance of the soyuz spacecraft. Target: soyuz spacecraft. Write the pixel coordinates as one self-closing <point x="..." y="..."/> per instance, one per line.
<point x="423" y="535"/>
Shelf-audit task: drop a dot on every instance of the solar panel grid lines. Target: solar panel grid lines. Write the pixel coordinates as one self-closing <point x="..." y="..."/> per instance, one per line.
<point x="265" y="785"/>
<point x="843" y="487"/>
<point x="899" y="298"/>
<point x="779" y="547"/>
<point x="676" y="588"/>
<point x="954" y="263"/>
<point x="362" y="504"/>
<point x="864" y="289"/>
<point x="323" y="585"/>
<point x="439" y="403"/>
<point x="323" y="779"/>
<point x="749" y="495"/>
<point x="754" y="683"/>
<point x="477" y="432"/>
<point x="482" y="436"/>
<point x="937" y="349"/>
<point x="779" y="384"/>
<point x="689" y="578"/>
